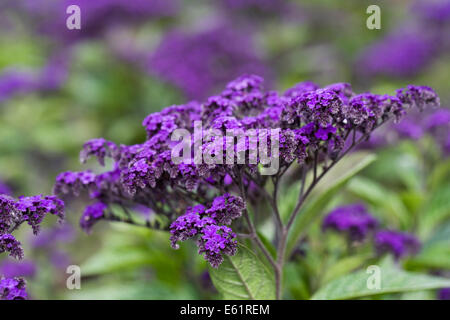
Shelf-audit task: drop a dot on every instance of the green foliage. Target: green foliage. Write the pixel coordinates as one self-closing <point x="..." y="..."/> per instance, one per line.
<point x="325" y="190"/>
<point x="243" y="276"/>
<point x="393" y="280"/>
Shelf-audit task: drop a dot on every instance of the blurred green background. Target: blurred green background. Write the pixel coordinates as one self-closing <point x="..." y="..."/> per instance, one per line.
<point x="58" y="90"/>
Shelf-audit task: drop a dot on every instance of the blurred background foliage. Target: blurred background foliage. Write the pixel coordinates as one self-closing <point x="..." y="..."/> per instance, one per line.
<point x="59" y="89"/>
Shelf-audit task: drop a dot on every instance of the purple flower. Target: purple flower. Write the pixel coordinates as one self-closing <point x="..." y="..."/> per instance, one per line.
<point x="199" y="63"/>
<point x="23" y="268"/>
<point x="5" y="189"/>
<point x="91" y="215"/>
<point x="215" y="242"/>
<point x="409" y="129"/>
<point x="99" y="148"/>
<point x="400" y="244"/>
<point x="12" y="289"/>
<point x="97" y="16"/>
<point x="352" y="220"/>
<point x="314" y="124"/>
<point x="73" y="182"/>
<point x="444" y="294"/>
<point x="401" y="54"/>
<point x="440" y="117"/>
<point x="15" y="82"/>
<point x="7" y="220"/>
<point x="33" y="209"/>
<point x="226" y="208"/>
<point x="50" y="237"/>
<point x="9" y="244"/>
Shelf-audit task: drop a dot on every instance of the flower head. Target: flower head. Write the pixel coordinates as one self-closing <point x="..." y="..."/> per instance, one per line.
<point x="353" y="220"/>
<point x="12" y="289"/>
<point x="400" y="244"/>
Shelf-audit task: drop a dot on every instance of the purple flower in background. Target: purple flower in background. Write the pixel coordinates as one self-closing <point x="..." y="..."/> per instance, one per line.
<point x="409" y="129"/>
<point x="401" y="54"/>
<point x="444" y="294"/>
<point x="440" y="117"/>
<point x="12" y="289"/>
<point x="5" y="189"/>
<point x="91" y="215"/>
<point x="97" y="16"/>
<point x="199" y="63"/>
<point x="435" y="11"/>
<point x="50" y="237"/>
<point x="16" y="82"/>
<point x="54" y="74"/>
<point x="60" y="259"/>
<point x="352" y="220"/>
<point x="400" y="244"/>
<point x="23" y="268"/>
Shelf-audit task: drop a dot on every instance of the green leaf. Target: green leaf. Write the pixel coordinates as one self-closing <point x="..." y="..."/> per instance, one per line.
<point x="435" y="210"/>
<point x="393" y="280"/>
<point x="326" y="189"/>
<point x="243" y="276"/>
<point x="377" y="195"/>
<point x="343" y="266"/>
<point x="435" y="252"/>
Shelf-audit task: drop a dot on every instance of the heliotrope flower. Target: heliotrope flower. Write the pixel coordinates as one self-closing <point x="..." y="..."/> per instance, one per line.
<point x="213" y="240"/>
<point x="444" y="294"/>
<point x="199" y="63"/>
<point x="314" y="125"/>
<point x="91" y="215"/>
<point x="10" y="245"/>
<point x="23" y="268"/>
<point x="13" y="289"/>
<point x="33" y="209"/>
<point x="399" y="244"/>
<point x="352" y="220"/>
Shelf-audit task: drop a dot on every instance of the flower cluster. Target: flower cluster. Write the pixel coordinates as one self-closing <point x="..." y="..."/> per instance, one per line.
<point x="412" y="46"/>
<point x="14" y="212"/>
<point x="15" y="81"/>
<point x="97" y="16"/>
<point x="23" y="268"/>
<point x="12" y="289"/>
<point x="356" y="223"/>
<point x="199" y="62"/>
<point x="353" y="220"/>
<point x="214" y="239"/>
<point x="314" y="125"/>
<point x="435" y="124"/>
<point x="400" y="244"/>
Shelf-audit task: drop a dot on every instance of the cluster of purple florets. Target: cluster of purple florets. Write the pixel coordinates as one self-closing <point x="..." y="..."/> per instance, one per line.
<point x="32" y="210"/>
<point x="353" y="220"/>
<point x="12" y="289"/>
<point x="313" y="124"/>
<point x="214" y="238"/>
<point x="13" y="213"/>
<point x="357" y="224"/>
